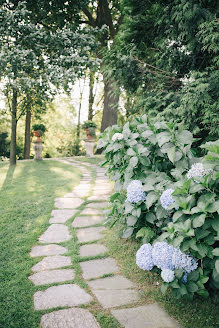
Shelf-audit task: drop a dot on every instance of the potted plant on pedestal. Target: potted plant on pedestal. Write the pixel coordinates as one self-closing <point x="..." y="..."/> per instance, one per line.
<point x="90" y="130"/>
<point x="38" y="131"/>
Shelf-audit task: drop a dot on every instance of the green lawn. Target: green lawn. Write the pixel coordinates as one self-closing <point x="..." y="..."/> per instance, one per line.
<point x="27" y="194"/>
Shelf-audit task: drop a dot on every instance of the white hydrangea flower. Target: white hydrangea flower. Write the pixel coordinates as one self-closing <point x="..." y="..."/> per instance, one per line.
<point x="167" y="275"/>
<point x="198" y="171"/>
<point x="117" y="136"/>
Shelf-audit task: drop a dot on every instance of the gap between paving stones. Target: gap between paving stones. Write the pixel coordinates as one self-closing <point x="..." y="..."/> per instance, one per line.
<point x="111" y="291"/>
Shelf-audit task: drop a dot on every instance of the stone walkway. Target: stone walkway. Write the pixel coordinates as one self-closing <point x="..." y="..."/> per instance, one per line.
<point x="114" y="292"/>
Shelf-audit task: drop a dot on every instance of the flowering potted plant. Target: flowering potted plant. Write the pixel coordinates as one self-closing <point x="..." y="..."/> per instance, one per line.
<point x="90" y="129"/>
<point x="38" y="131"/>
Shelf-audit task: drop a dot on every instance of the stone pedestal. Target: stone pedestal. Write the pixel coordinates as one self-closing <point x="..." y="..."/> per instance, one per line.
<point x="38" y="147"/>
<point x="89" y="146"/>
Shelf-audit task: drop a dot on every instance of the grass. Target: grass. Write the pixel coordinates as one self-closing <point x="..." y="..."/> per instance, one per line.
<point x="27" y="198"/>
<point x="97" y="159"/>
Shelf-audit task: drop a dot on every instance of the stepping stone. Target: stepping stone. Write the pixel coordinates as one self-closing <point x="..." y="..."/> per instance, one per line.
<point x="85" y="221"/>
<point x="113" y="298"/>
<point x="61" y="296"/>
<point x="90" y="211"/>
<point x="56" y="233"/>
<point x="96" y="198"/>
<point x="49" y="277"/>
<point x="52" y="262"/>
<point x="71" y="195"/>
<point x="116" y="283"/>
<point x="69" y="318"/>
<point x="61" y="216"/>
<point x="92" y="250"/>
<point x="147" y="316"/>
<point x="47" y="250"/>
<point x="90" y="234"/>
<point x="98" y="205"/>
<point x="68" y="202"/>
<point x="97" y="268"/>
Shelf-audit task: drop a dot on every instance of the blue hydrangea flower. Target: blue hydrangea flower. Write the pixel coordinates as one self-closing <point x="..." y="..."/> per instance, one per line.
<point x="166" y="199"/>
<point x="162" y="255"/>
<point x="167" y="275"/>
<point x="134" y="192"/>
<point x="144" y="257"/>
<point x="184" y="278"/>
<point x="198" y="171"/>
<point x="183" y="261"/>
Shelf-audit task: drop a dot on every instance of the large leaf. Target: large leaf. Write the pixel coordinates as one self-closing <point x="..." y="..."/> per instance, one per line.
<point x="215" y="252"/>
<point x="127" y="232"/>
<point x="131" y="152"/>
<point x="163" y="137"/>
<point x="150" y="217"/>
<point x="131" y="220"/>
<point x="146" y="233"/>
<point x="171" y="154"/>
<point x="151" y="198"/>
<point x="198" y="221"/>
<point x="184" y="137"/>
<point x="133" y="161"/>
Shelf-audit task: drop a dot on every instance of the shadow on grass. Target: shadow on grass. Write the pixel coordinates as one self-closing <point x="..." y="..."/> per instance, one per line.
<point x="27" y="199"/>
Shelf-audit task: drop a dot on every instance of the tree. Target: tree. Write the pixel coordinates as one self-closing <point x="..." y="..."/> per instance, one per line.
<point x="28" y="51"/>
<point x="103" y="17"/>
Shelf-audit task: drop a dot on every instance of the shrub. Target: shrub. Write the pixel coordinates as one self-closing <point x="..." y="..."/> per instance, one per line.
<point x="166" y="195"/>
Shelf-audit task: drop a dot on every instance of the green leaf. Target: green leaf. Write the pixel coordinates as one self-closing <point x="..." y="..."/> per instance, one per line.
<point x="128" y="207"/>
<point x="171" y="154"/>
<point x="151" y="198"/>
<point x="179" y="273"/>
<point x="215" y="252"/>
<point x="214" y="207"/>
<point x="217" y="266"/>
<point x="203" y="292"/>
<point x="114" y="196"/>
<point x="184" y="137"/>
<point x="191" y="286"/>
<point x="127" y="232"/>
<point x="163" y="137"/>
<point x="147" y="233"/>
<point x="164" y="288"/>
<point x="131" y="152"/>
<point x="177" y="215"/>
<point x="150" y="217"/>
<point x="133" y="161"/>
<point x="131" y="220"/>
<point x="215" y="224"/>
<point x="193" y="276"/>
<point x="199" y="221"/>
<point x="177" y="241"/>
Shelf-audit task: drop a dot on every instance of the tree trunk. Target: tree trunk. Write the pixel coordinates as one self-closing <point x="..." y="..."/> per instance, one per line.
<point x="13" y="128"/>
<point x="91" y="96"/>
<point x="111" y="104"/>
<point x="27" y="135"/>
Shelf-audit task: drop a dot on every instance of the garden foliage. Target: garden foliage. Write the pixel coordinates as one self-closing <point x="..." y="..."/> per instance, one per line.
<point x="164" y="194"/>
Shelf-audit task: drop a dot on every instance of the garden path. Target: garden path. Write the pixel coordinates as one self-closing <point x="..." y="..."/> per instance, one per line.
<point x="101" y="274"/>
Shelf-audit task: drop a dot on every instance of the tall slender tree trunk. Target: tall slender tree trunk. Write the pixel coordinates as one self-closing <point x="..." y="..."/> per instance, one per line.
<point x="111" y="104"/>
<point x="91" y="96"/>
<point x="27" y="135"/>
<point x="13" y="128"/>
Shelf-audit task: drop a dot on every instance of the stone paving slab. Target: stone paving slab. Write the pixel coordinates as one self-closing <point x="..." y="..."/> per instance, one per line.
<point x="113" y="283"/>
<point x="90" y="211"/>
<point x="72" y="195"/>
<point x="53" y="276"/>
<point x="97" y="268"/>
<point x="97" y="198"/>
<point x="113" y="298"/>
<point x="68" y="202"/>
<point x="92" y="250"/>
<point x="52" y="262"/>
<point x="47" y="250"/>
<point x="146" y="316"/>
<point x="61" y="296"/>
<point x="69" y="318"/>
<point x="85" y="221"/>
<point x="56" y="233"/>
<point x="61" y="216"/>
<point x="90" y="234"/>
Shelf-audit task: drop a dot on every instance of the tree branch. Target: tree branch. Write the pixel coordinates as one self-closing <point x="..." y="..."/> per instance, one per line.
<point x="90" y="17"/>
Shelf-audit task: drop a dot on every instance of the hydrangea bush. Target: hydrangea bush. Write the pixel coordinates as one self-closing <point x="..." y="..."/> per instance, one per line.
<point x="166" y="196"/>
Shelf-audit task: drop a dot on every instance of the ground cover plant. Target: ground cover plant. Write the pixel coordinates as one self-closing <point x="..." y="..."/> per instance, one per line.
<point x="27" y="199"/>
<point x="168" y="199"/>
